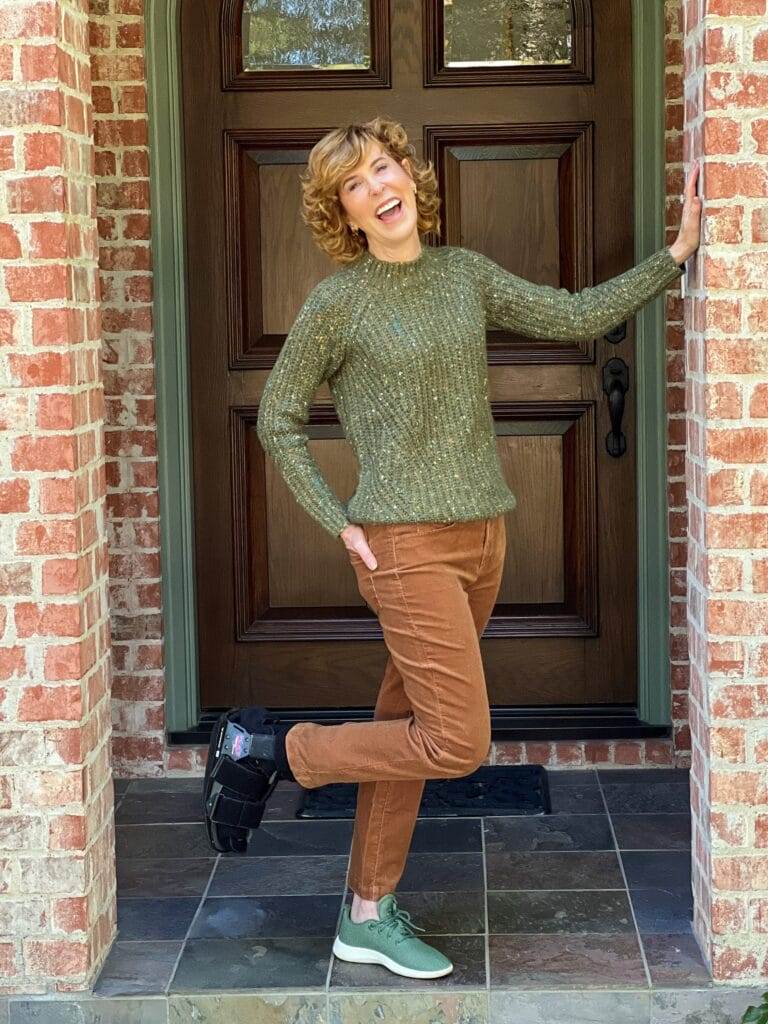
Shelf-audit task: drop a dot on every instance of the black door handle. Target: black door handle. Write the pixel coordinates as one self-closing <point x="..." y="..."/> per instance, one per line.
<point x="617" y="333"/>
<point x="615" y="385"/>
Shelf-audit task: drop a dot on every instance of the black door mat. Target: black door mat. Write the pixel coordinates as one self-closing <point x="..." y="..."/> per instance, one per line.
<point x="492" y="789"/>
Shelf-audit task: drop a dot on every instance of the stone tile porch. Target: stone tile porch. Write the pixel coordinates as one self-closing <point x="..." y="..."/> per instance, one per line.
<point x="582" y="915"/>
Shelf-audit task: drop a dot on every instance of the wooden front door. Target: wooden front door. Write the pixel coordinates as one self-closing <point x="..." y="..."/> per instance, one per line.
<point x="526" y="112"/>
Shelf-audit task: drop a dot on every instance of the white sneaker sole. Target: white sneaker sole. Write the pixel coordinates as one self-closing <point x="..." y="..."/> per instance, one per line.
<point x="359" y="955"/>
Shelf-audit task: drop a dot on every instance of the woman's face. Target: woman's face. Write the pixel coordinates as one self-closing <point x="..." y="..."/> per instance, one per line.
<point x="377" y="179"/>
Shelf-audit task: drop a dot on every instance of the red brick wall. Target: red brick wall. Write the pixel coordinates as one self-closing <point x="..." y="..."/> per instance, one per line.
<point x="726" y="93"/>
<point x="70" y="501"/>
<point x="57" y="881"/>
<point x="122" y="173"/>
<point x="677" y="503"/>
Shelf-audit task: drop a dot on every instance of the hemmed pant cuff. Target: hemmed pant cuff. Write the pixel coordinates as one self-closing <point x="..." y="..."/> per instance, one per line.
<point x="295" y="762"/>
<point x="368" y="892"/>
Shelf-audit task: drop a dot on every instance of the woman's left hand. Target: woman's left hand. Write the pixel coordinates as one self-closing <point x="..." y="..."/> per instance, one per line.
<point x="689" y="235"/>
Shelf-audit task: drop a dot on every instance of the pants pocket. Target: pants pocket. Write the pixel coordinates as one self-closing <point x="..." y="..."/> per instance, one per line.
<point x="433" y="527"/>
<point x="364" y="582"/>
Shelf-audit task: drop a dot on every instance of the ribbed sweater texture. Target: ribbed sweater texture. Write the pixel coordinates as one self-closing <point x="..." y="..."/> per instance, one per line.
<point x="402" y="346"/>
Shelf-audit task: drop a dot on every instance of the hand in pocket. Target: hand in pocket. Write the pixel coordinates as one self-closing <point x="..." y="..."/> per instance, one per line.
<point x="356" y="543"/>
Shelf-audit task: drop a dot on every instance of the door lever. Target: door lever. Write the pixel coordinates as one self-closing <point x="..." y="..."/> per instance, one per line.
<point x="617" y="333"/>
<point x="616" y="385"/>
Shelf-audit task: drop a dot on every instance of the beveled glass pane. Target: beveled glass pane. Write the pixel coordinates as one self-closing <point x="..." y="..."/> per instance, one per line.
<point x="494" y="33"/>
<point x="306" y="34"/>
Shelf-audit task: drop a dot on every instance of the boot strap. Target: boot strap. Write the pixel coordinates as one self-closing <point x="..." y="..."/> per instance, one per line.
<point x="249" y="782"/>
<point x="227" y="810"/>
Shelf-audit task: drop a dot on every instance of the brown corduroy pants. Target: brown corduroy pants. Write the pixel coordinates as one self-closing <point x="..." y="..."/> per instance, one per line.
<point x="433" y="590"/>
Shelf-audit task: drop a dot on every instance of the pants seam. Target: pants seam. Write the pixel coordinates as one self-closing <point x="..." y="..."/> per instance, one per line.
<point x="381" y="830"/>
<point x="485" y="547"/>
<point x="375" y="593"/>
<point x="417" y="635"/>
<point x="363" y="844"/>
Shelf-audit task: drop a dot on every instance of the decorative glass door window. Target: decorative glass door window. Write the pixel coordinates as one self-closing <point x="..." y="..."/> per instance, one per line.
<point x="330" y="35"/>
<point x="505" y="33"/>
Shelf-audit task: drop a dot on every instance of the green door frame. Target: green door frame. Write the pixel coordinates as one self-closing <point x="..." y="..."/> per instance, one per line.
<point x="174" y="445"/>
<point x="172" y="367"/>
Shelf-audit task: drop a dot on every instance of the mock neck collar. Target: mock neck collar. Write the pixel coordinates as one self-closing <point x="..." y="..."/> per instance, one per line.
<point x="396" y="270"/>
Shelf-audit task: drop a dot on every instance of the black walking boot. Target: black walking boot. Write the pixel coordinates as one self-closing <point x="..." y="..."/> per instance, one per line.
<point x="246" y="760"/>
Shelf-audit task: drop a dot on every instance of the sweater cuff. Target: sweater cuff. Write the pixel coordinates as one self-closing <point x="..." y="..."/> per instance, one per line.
<point x="680" y="266"/>
<point x="334" y="520"/>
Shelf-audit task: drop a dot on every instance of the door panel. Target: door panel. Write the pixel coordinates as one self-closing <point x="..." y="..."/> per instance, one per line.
<point x="529" y="131"/>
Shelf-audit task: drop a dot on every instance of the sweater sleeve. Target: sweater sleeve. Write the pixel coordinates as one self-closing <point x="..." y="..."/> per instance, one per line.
<point x="312" y="352"/>
<point x="541" y="311"/>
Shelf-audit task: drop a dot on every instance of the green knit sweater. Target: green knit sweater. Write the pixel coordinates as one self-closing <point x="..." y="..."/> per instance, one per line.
<point x="403" y="348"/>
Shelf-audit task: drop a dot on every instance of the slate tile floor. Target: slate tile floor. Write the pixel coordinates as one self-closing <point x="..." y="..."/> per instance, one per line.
<point x="595" y="896"/>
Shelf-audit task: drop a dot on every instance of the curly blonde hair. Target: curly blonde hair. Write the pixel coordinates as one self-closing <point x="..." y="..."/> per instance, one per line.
<point x="334" y="156"/>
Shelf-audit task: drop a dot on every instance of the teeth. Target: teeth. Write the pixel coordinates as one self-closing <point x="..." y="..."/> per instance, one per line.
<point x="387" y="206"/>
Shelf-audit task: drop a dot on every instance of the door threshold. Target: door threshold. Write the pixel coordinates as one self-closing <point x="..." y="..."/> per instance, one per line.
<point x="588" y="722"/>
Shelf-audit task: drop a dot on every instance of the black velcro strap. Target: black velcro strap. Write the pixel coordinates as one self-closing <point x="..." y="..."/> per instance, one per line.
<point x="235" y="775"/>
<point x="228" y="810"/>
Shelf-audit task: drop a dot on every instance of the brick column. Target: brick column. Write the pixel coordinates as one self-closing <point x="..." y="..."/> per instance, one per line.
<point x="677" y="512"/>
<point x="122" y="195"/>
<point x="727" y="482"/>
<point x="57" y="879"/>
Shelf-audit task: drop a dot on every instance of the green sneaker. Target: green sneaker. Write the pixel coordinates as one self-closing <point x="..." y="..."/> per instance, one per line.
<point x="390" y="942"/>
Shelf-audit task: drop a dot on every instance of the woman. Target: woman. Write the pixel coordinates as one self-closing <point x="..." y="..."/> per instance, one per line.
<point x="399" y="333"/>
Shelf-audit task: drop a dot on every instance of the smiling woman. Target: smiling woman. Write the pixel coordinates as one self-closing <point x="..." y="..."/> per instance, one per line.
<point x="381" y="177"/>
<point x="353" y="174"/>
<point x="399" y="332"/>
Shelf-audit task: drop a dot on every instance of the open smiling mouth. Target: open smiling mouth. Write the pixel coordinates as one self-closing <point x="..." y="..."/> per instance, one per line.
<point x="393" y="213"/>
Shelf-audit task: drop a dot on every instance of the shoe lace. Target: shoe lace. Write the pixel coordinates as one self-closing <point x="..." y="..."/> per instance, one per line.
<point x="400" y="921"/>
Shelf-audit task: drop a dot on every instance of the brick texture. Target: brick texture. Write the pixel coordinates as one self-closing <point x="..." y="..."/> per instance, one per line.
<point x="643" y="753"/>
<point x="81" y="629"/>
<point x="724" y="90"/>
<point x="57" y="883"/>
<point x="125" y="271"/>
<point x="677" y="509"/>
